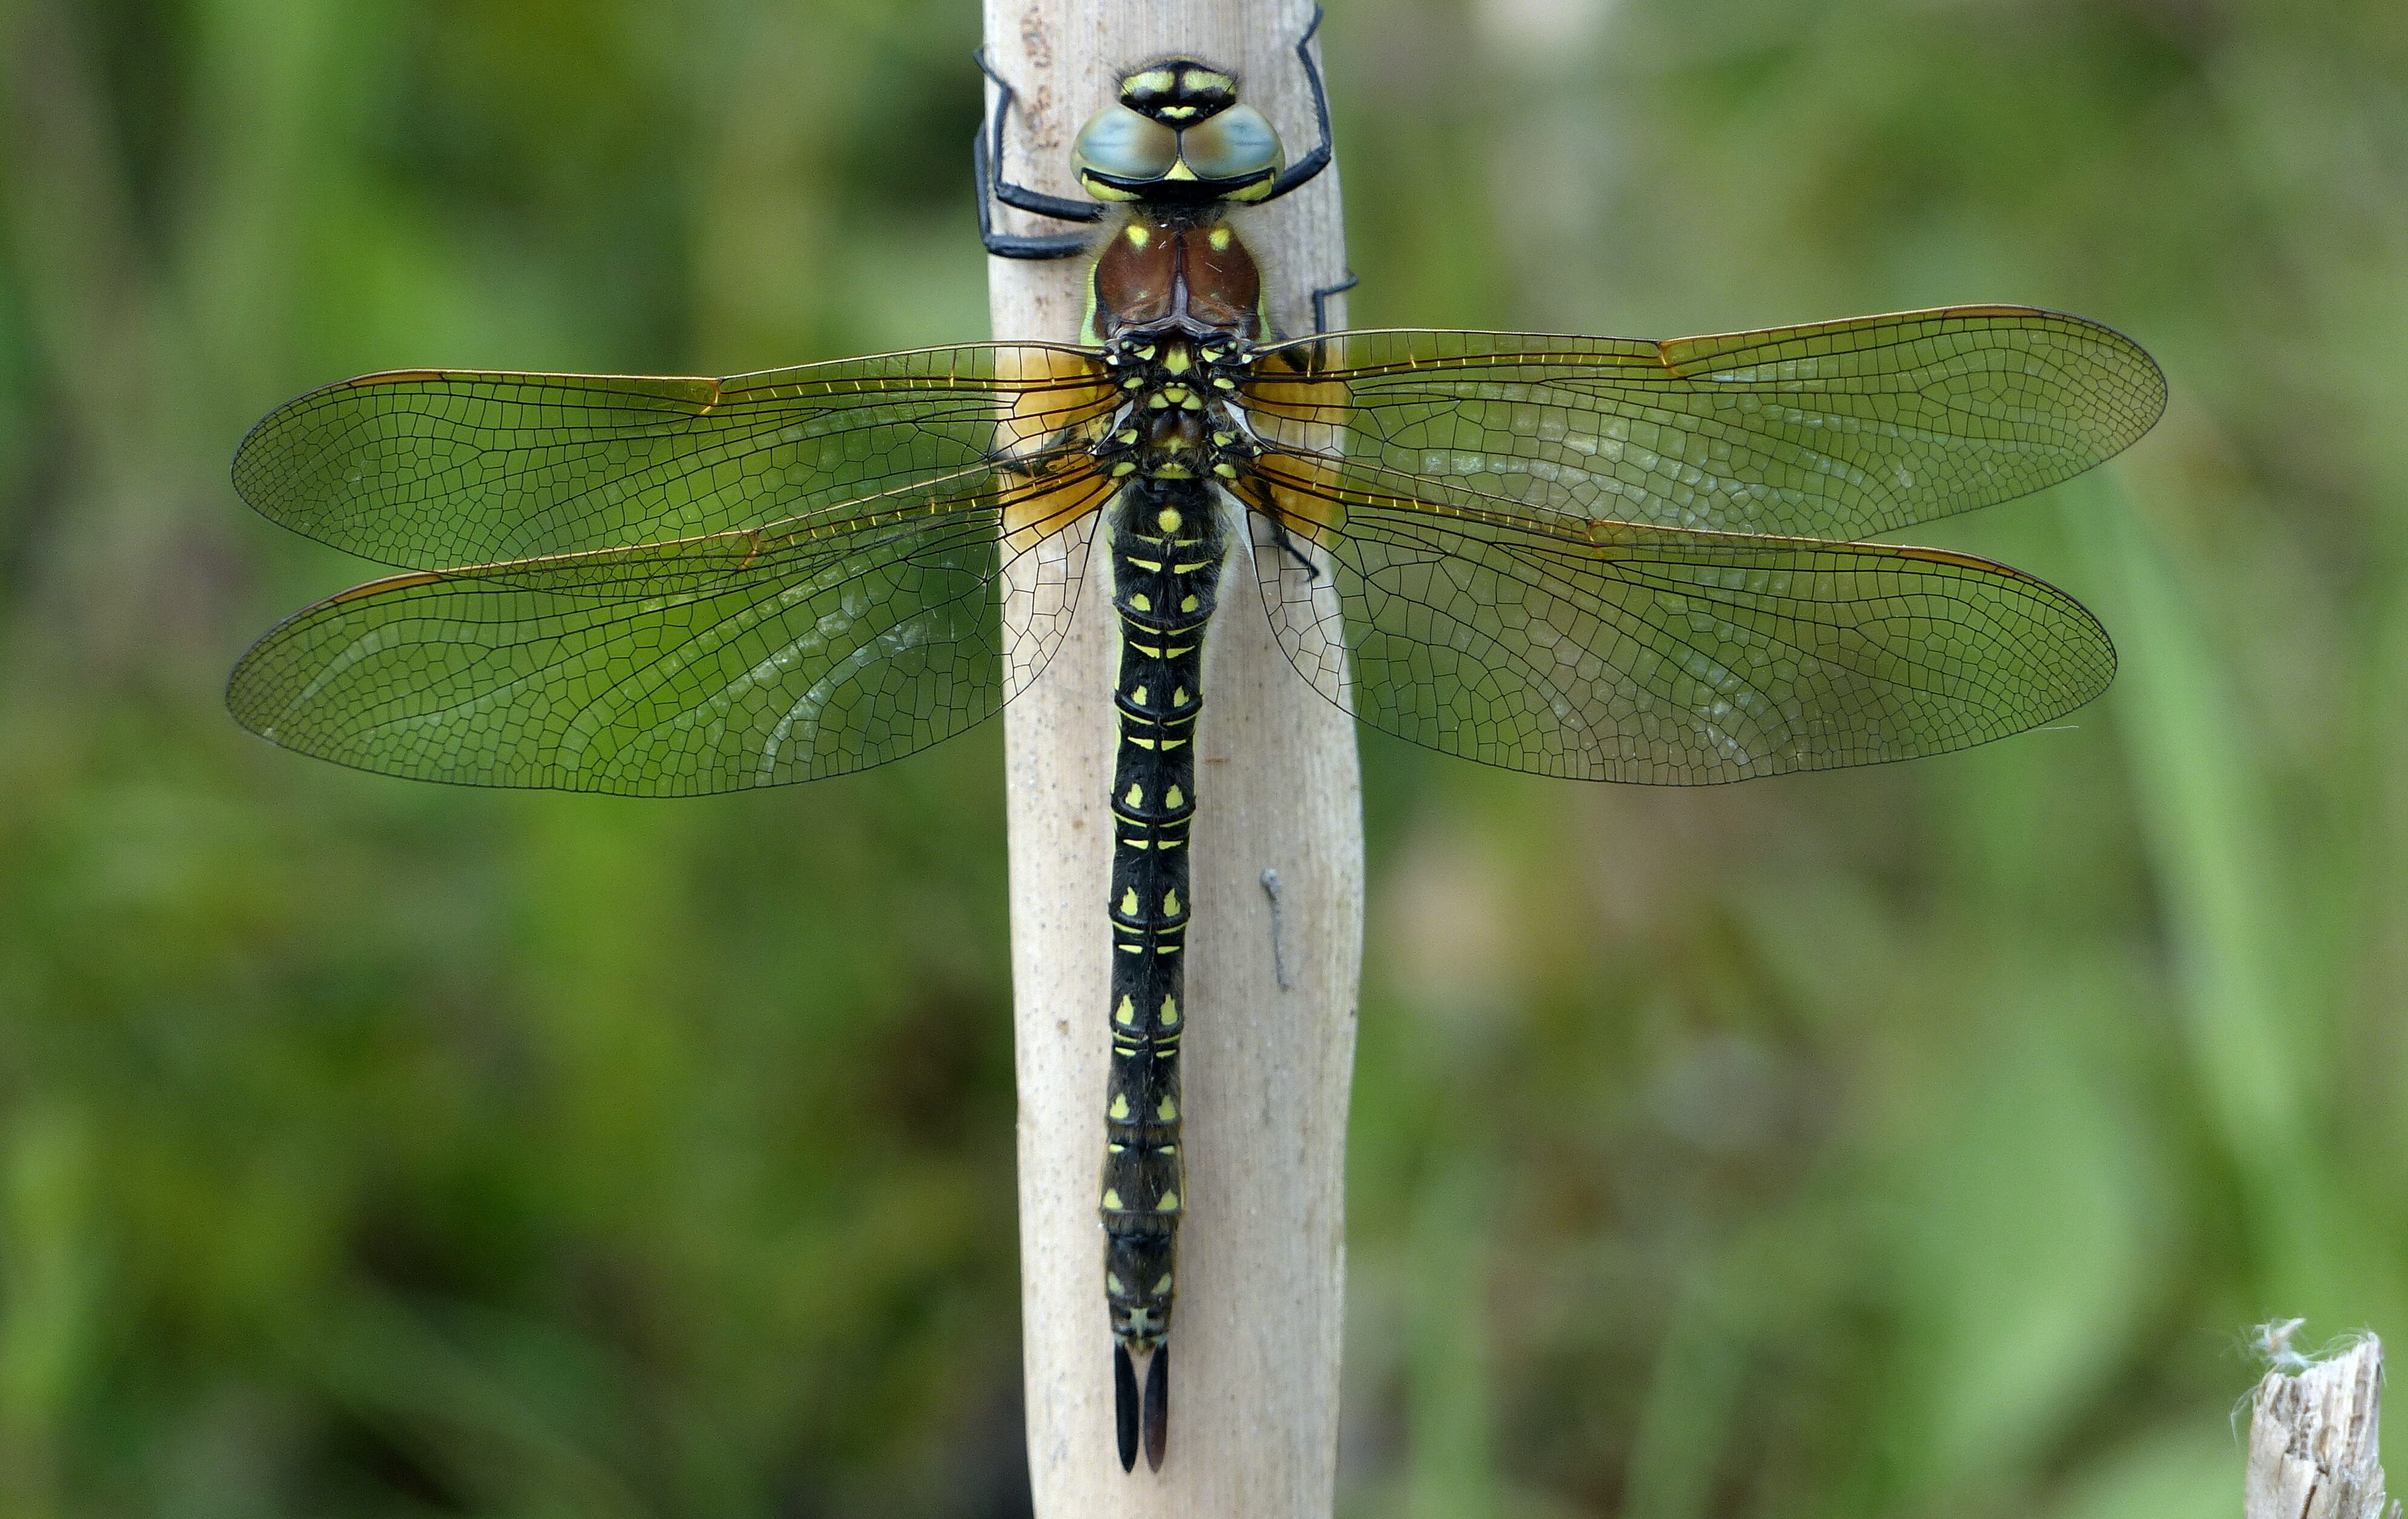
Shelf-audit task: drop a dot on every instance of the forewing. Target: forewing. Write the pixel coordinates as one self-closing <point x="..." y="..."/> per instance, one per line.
<point x="708" y="664"/>
<point x="1839" y="430"/>
<point x="1661" y="656"/>
<point x="431" y="469"/>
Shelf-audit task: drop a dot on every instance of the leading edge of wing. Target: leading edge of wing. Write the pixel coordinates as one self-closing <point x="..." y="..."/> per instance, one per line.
<point x="428" y="468"/>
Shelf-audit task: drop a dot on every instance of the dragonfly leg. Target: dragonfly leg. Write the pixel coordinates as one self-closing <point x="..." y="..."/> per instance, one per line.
<point x="1321" y="301"/>
<point x="1304" y="561"/>
<point x="986" y="157"/>
<point x="1303" y="169"/>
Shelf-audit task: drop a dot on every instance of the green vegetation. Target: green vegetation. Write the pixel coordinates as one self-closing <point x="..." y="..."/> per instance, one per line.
<point x="1895" y="1143"/>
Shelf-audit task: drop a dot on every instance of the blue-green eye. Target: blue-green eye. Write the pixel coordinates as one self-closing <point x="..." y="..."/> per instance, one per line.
<point x="1119" y="142"/>
<point x="1235" y="144"/>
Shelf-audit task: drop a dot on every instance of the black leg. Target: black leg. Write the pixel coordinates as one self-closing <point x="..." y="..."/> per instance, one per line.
<point x="1304" y="561"/>
<point x="1321" y="301"/>
<point x="1007" y="245"/>
<point x="1304" y="168"/>
<point x="990" y="180"/>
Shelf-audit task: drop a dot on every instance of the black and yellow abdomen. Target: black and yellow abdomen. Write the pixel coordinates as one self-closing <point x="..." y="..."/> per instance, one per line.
<point x="1165" y="549"/>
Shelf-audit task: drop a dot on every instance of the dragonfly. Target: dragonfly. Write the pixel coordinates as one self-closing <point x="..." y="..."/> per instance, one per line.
<point x="1595" y="558"/>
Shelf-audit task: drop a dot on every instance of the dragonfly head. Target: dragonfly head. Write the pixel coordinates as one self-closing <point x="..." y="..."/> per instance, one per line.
<point x="1178" y="135"/>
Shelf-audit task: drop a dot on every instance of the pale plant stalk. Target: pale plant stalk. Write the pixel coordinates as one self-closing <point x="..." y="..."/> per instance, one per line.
<point x="2316" y="1435"/>
<point x="1253" y="1398"/>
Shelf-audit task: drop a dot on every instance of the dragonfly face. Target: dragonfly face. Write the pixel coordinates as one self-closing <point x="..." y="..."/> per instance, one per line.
<point x="1596" y="558"/>
<point x="1178" y="135"/>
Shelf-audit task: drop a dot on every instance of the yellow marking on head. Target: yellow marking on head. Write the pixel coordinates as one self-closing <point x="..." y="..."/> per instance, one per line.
<point x="1169" y="1203"/>
<point x="1142" y="603"/>
<point x="1170" y="903"/>
<point x="1112" y="1198"/>
<point x="1120" y="1109"/>
<point x="1169" y="1011"/>
<point x="1152" y="81"/>
<point x="1167" y="1109"/>
<point x="1175" y="798"/>
<point x="1220" y="238"/>
<point x="1168" y="518"/>
<point x="1205" y="81"/>
<point x="1138" y="234"/>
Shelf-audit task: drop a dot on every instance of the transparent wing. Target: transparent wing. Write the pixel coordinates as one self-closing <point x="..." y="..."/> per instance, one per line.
<point x="1839" y="430"/>
<point x="708" y="664"/>
<point x="428" y="470"/>
<point x="1654" y="654"/>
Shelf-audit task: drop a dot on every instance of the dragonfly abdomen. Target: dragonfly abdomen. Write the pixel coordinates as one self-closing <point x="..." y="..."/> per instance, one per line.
<point x="1166" y="551"/>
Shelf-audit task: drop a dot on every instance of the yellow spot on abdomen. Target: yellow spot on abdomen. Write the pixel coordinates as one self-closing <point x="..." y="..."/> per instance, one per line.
<point x="1175" y="797"/>
<point x="1128" y="902"/>
<point x="1189" y="605"/>
<point x="1167" y="1111"/>
<point x="1111" y="1199"/>
<point x="1168" y="520"/>
<point x="1171" y="1012"/>
<point x="1120" y="1109"/>
<point x="1169" y="1203"/>
<point x="1126" y="1012"/>
<point x="1170" y="904"/>
<point x="1136" y="796"/>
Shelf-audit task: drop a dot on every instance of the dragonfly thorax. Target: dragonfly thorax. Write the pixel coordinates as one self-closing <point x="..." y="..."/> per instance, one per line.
<point x="1175" y="419"/>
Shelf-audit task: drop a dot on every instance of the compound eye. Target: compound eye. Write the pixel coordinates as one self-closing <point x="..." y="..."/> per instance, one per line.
<point x="1239" y="143"/>
<point x="1119" y="142"/>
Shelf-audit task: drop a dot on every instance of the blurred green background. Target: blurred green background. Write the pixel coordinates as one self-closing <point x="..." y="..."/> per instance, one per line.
<point x="1912" y="1143"/>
